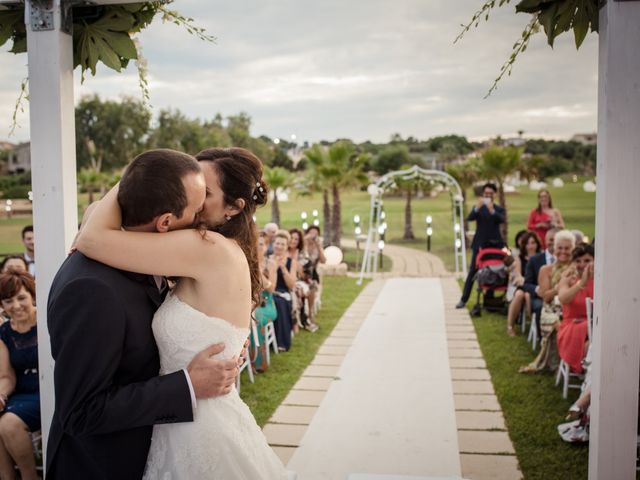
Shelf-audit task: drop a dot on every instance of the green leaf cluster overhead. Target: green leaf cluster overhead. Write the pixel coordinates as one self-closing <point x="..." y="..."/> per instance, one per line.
<point x="554" y="16"/>
<point x="101" y="33"/>
<point x="559" y="16"/>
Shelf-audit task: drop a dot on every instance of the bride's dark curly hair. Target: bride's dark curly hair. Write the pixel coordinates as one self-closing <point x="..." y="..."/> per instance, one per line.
<point x="240" y="176"/>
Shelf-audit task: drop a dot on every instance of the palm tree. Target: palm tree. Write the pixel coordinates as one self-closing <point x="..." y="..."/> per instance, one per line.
<point x="91" y="180"/>
<point x="278" y="179"/>
<point x="333" y="169"/>
<point x="498" y="163"/>
<point x="344" y="171"/>
<point x="408" y="187"/>
<point x="466" y="174"/>
<point x="317" y="180"/>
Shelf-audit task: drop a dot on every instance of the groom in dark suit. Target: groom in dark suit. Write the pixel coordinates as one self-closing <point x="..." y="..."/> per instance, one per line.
<point x="108" y="394"/>
<point x="488" y="217"/>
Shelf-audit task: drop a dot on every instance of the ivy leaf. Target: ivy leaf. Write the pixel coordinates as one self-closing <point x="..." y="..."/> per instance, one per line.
<point x="132" y="7"/>
<point x="547" y="19"/>
<point x="566" y="14"/>
<point x="19" y="45"/>
<point x="117" y="20"/>
<point x="122" y="44"/>
<point x="107" y="55"/>
<point x="580" y="25"/>
<point x="9" y="21"/>
<point x="530" y="6"/>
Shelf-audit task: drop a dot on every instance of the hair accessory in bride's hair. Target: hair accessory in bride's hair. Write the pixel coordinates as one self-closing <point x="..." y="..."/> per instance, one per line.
<point x="259" y="188"/>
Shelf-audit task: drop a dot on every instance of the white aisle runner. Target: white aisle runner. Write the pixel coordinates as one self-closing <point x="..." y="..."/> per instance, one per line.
<point x="392" y="410"/>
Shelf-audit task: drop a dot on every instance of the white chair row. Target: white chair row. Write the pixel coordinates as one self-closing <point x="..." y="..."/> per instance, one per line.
<point x="270" y="341"/>
<point x="533" y="329"/>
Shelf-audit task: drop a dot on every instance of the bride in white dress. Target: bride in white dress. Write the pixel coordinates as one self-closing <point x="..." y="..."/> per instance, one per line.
<point x="218" y="287"/>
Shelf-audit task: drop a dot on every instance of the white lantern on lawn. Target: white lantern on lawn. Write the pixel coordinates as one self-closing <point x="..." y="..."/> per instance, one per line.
<point x="333" y="255"/>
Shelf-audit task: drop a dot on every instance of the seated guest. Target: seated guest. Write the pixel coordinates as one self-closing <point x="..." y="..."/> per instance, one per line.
<point x="270" y="229"/>
<point x="579" y="236"/>
<point x="266" y="312"/>
<point x="530" y="246"/>
<point x="548" y="282"/>
<point x="19" y="388"/>
<point x="17" y="263"/>
<point x="285" y="282"/>
<point x="315" y="253"/>
<point x="532" y="270"/>
<point x="301" y="305"/>
<point x="544" y="217"/>
<point x="575" y="287"/>
<point x="517" y="243"/>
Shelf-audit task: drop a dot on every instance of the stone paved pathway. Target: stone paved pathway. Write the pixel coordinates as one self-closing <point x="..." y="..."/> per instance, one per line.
<point x="408" y="262"/>
<point x="485" y="449"/>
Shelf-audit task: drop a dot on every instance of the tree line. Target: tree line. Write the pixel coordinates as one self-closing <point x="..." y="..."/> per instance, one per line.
<point x="109" y="133"/>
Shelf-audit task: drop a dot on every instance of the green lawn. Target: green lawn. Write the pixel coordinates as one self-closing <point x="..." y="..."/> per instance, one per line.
<point x="353" y="259"/>
<point x="271" y="387"/>
<point x="532" y="405"/>
<point x="577" y="207"/>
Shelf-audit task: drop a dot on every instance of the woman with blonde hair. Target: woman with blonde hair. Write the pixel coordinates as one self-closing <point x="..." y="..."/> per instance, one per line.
<point x="551" y="315"/>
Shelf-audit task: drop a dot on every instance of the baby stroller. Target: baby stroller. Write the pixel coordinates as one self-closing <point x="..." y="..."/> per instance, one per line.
<point x="492" y="277"/>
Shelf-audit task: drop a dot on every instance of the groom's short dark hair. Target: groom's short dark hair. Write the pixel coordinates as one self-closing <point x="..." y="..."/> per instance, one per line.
<point x="152" y="185"/>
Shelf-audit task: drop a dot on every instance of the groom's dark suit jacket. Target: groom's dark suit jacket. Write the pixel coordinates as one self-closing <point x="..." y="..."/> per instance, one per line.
<point x="108" y="394"/>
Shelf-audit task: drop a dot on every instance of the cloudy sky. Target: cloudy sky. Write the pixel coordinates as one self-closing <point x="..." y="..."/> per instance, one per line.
<point x="361" y="69"/>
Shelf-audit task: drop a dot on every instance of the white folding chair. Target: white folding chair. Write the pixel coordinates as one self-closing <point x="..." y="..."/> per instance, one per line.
<point x="523" y="319"/>
<point x="589" y="304"/>
<point x="270" y="341"/>
<point x="564" y="374"/>
<point x="318" y="300"/>
<point x="36" y="440"/>
<point x="245" y="366"/>
<point x="533" y="332"/>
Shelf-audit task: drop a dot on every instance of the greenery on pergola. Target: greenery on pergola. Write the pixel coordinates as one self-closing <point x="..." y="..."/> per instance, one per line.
<point x="102" y="34"/>
<point x="555" y="17"/>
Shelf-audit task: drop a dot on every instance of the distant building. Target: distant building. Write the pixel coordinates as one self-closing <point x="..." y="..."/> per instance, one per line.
<point x="514" y="141"/>
<point x="585" y="138"/>
<point x="20" y="159"/>
<point x="6" y="145"/>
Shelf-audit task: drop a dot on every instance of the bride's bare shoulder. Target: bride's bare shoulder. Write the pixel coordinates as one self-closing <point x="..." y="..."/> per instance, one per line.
<point x="221" y="242"/>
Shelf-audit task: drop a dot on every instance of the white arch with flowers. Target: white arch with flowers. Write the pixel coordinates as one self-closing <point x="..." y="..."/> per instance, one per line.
<point x="376" y="222"/>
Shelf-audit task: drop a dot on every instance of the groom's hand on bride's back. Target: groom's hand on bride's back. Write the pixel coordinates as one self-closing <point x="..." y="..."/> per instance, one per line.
<point x="212" y="377"/>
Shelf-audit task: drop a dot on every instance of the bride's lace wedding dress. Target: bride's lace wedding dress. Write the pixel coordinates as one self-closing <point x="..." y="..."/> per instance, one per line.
<point x="223" y="441"/>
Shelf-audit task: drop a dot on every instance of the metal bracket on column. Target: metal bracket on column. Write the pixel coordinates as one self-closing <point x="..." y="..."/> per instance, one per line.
<point x="41" y="16"/>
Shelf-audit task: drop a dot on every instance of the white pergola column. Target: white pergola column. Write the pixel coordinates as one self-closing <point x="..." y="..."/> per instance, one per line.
<point x="616" y="345"/>
<point x="53" y="166"/>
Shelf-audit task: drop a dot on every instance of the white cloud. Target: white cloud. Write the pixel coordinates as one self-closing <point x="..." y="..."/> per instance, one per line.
<point x="359" y="69"/>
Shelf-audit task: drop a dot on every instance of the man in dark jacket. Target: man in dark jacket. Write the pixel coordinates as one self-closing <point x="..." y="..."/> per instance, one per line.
<point x="488" y="217"/>
<point x="108" y="394"/>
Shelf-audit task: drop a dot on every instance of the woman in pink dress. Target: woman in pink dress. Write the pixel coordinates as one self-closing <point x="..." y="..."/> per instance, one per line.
<point x="544" y="217"/>
<point x="575" y="286"/>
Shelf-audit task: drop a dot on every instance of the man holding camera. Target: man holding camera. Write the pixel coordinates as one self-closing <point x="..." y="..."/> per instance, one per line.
<point x="488" y="217"/>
